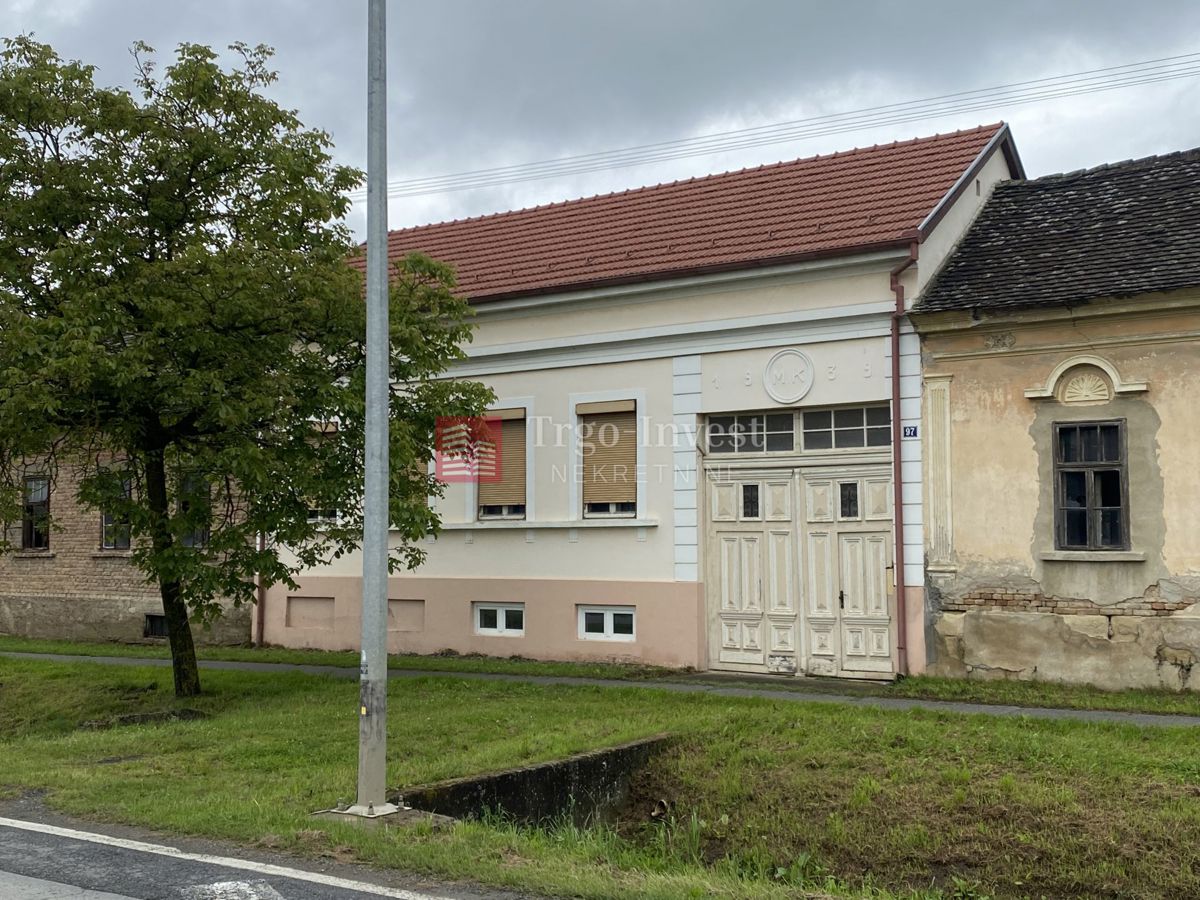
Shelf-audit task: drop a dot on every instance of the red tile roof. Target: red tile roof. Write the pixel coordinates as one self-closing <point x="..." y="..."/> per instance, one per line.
<point x="843" y="203"/>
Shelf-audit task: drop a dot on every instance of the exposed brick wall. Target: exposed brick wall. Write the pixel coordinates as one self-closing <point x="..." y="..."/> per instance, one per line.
<point x="1027" y="601"/>
<point x="76" y="590"/>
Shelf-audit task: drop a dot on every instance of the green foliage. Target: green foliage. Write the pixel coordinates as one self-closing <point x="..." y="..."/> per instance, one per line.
<point x="177" y="311"/>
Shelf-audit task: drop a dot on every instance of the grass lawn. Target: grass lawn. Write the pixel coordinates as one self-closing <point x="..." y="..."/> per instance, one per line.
<point x="342" y="658"/>
<point x="768" y="799"/>
<point x="1009" y="693"/>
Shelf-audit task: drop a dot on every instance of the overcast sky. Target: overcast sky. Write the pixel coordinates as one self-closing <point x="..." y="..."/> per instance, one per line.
<point x="480" y="83"/>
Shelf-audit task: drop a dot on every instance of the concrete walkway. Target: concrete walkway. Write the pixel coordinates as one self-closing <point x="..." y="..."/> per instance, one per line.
<point x="713" y="686"/>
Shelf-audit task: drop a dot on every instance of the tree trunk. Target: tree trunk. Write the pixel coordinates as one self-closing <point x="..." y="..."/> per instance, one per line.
<point x="179" y="629"/>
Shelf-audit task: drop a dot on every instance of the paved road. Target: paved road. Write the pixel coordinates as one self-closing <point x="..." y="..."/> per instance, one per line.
<point x="43" y="861"/>
<point x="712" y="686"/>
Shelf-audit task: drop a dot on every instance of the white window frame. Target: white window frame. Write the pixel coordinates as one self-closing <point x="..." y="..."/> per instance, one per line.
<point x="611" y="513"/>
<point x="608" y="612"/>
<point x="833" y="430"/>
<point x="507" y="511"/>
<point x="501" y="609"/>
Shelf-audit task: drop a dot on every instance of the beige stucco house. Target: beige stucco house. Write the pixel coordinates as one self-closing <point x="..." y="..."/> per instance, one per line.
<point x="710" y="400"/>
<point x="1061" y="349"/>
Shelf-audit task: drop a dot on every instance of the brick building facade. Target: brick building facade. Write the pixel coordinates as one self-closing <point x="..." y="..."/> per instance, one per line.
<point x="76" y="589"/>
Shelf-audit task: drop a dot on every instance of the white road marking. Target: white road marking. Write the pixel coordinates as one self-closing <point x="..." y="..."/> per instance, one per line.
<point x="228" y="862"/>
<point x="231" y="890"/>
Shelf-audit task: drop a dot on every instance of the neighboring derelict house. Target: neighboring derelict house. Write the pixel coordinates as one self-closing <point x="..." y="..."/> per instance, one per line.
<point x="1061" y="349"/>
<point x="68" y="572"/>
<point x="755" y="307"/>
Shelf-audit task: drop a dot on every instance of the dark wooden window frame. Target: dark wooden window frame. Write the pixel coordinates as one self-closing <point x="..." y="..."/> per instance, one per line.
<point x="114" y="532"/>
<point x="35" y="516"/>
<point x="1093" y="507"/>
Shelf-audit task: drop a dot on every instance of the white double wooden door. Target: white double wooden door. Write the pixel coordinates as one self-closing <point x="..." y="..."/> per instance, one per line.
<point x="799" y="571"/>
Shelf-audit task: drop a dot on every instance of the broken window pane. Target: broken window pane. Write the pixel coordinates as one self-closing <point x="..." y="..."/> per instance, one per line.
<point x="1074" y="490"/>
<point x="1076" y="527"/>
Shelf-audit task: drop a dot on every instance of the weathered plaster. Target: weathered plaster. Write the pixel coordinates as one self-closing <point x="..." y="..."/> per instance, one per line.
<point x="1104" y="583"/>
<point x="1111" y="652"/>
<point x="997" y="608"/>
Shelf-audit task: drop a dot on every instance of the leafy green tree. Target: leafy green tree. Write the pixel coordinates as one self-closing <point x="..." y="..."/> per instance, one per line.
<point x="180" y="326"/>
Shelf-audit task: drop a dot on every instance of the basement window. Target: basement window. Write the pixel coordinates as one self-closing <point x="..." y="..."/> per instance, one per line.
<point x="155" y="626"/>
<point x="503" y="619"/>
<point x="606" y="623"/>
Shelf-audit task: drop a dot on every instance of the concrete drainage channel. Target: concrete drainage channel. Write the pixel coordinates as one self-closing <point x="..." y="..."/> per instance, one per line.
<point x="583" y="789"/>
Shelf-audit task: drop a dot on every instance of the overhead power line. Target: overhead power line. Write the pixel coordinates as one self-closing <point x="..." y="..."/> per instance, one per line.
<point x="1018" y="93"/>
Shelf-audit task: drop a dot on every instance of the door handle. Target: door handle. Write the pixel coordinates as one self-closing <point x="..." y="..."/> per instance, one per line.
<point x="841" y="599"/>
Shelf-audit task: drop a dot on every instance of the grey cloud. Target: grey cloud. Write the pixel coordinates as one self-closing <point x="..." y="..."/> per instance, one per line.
<point x="478" y="83"/>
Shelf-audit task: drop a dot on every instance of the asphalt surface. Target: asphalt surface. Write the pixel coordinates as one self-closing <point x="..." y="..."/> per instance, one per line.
<point x="44" y="856"/>
<point x="712" y="685"/>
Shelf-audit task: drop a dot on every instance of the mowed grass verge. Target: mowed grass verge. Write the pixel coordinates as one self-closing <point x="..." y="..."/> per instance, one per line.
<point x="767" y="799"/>
<point x="994" y="692"/>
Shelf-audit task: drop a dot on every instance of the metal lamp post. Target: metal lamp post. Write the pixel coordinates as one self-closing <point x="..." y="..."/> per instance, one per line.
<point x="372" y="727"/>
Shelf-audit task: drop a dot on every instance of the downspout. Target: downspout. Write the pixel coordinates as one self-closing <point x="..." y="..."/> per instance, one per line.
<point x="897" y="470"/>
<point x="261" y="603"/>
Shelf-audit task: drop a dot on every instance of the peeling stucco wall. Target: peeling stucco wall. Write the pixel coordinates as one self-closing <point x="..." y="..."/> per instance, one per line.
<point x="997" y="606"/>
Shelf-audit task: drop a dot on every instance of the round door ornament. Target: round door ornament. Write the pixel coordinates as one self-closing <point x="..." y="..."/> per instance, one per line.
<point x="788" y="376"/>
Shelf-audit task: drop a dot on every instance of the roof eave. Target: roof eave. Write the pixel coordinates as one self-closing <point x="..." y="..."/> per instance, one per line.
<point x="901" y="242"/>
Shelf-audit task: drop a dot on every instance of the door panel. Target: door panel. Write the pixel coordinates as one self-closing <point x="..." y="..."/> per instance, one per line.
<point x="822" y="592"/>
<point x="753" y="569"/>
<point x="866" y="625"/>
<point x="818" y="496"/>
<point x="731" y="572"/>
<point x="779" y="501"/>
<point x="850" y="555"/>
<point x="780" y="574"/>
<point x="724" y="500"/>
<point x="751" y="549"/>
<point x="740" y="614"/>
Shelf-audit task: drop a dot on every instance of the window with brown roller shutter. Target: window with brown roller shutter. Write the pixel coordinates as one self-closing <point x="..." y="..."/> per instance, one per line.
<point x="608" y="442"/>
<point x="504" y="497"/>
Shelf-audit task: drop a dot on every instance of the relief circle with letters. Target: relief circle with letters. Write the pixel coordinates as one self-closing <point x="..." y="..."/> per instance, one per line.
<point x="788" y="376"/>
